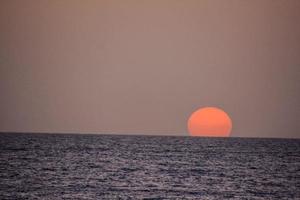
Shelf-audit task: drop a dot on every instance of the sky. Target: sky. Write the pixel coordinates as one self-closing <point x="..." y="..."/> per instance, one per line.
<point x="143" y="67"/>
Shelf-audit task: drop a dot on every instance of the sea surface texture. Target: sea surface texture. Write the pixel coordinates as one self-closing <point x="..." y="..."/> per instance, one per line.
<point x="56" y="166"/>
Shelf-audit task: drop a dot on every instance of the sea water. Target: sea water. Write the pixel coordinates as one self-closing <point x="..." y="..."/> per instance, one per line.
<point x="61" y="166"/>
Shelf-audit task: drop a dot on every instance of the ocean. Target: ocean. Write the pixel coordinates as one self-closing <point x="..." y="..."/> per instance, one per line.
<point x="66" y="166"/>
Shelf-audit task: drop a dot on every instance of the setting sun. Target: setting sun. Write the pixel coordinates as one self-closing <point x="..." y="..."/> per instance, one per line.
<point x="211" y="122"/>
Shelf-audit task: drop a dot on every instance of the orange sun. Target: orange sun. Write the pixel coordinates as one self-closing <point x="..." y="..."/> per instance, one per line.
<point x="210" y="122"/>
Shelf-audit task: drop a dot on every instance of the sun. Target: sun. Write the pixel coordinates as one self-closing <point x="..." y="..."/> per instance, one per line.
<point x="210" y="122"/>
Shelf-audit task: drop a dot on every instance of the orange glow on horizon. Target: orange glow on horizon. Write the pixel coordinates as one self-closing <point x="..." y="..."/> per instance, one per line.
<point x="211" y="122"/>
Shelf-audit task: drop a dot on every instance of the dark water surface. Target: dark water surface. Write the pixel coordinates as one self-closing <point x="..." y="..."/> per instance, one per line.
<point x="49" y="166"/>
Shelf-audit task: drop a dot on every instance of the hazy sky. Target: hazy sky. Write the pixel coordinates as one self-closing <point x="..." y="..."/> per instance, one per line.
<point x="143" y="67"/>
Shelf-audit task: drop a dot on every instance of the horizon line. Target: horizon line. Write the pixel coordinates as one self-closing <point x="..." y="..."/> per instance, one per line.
<point x="136" y="134"/>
